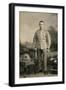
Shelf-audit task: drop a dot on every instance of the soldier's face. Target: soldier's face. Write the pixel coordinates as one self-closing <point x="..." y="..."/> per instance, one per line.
<point x="41" y="26"/>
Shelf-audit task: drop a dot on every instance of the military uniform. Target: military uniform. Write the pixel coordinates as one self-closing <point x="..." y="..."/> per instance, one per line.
<point x="42" y="41"/>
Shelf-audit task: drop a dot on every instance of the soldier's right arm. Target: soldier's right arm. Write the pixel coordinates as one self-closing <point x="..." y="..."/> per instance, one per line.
<point x="34" y="40"/>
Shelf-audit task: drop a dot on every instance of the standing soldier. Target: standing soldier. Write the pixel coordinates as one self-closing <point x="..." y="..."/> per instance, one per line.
<point x="42" y="42"/>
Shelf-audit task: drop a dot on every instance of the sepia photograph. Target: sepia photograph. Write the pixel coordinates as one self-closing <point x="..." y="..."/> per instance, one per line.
<point x="38" y="33"/>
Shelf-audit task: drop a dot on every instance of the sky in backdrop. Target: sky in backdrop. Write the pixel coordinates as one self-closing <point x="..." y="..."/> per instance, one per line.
<point x="29" y="24"/>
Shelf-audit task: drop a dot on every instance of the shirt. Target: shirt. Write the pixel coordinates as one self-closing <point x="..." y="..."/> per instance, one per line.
<point x="43" y="42"/>
<point x="42" y="39"/>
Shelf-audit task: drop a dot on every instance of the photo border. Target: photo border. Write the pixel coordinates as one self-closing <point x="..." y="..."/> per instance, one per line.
<point x="12" y="43"/>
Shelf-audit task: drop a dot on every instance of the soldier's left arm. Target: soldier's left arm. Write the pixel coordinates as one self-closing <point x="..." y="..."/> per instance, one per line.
<point x="49" y="39"/>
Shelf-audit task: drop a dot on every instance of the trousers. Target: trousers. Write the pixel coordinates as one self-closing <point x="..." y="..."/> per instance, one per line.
<point x="41" y="55"/>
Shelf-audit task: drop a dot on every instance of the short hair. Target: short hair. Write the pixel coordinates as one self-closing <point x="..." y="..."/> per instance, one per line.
<point x="41" y="22"/>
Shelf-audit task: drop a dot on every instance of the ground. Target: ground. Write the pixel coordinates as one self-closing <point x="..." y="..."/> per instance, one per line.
<point x="38" y="75"/>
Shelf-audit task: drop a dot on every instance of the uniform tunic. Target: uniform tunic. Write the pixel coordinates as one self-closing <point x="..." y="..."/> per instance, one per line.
<point x="42" y="39"/>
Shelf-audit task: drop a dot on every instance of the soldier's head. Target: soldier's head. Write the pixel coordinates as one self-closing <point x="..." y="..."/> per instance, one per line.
<point x="41" y="25"/>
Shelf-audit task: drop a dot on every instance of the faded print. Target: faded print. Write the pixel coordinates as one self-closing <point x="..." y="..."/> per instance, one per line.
<point x="38" y="43"/>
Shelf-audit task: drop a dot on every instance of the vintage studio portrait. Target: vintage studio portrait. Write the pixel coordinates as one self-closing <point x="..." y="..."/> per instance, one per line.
<point x="38" y="42"/>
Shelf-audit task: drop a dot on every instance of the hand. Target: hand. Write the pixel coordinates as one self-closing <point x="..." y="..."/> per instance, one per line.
<point x="48" y="50"/>
<point x="35" y="49"/>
